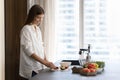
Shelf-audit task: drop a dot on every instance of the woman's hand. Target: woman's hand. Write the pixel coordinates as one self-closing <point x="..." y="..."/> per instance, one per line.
<point x="51" y="65"/>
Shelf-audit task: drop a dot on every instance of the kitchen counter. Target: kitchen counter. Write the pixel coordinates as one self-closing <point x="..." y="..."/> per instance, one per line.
<point x="111" y="72"/>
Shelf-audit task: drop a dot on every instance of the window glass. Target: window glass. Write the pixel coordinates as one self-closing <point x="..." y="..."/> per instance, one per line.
<point x="101" y="28"/>
<point x="67" y="29"/>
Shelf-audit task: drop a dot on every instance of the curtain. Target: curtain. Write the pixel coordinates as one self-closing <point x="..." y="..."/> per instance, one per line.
<point x="47" y="27"/>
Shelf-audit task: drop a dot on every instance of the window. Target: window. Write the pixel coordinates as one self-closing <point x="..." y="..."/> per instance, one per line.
<point x="99" y="26"/>
<point x="100" y="18"/>
<point x="95" y="28"/>
<point x="67" y="29"/>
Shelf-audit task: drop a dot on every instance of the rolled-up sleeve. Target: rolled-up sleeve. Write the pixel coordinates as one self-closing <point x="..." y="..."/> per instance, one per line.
<point x="26" y="42"/>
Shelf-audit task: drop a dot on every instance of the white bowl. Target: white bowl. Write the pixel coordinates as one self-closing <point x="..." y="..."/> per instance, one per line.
<point x="65" y="64"/>
<point x="99" y="70"/>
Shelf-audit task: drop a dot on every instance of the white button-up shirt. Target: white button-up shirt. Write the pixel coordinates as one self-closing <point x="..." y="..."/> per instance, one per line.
<point x="30" y="42"/>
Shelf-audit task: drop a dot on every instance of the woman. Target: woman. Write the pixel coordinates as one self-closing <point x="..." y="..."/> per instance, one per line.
<point x="32" y="57"/>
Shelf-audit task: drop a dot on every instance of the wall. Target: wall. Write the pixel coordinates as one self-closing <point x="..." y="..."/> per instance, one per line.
<point x="2" y="53"/>
<point x="15" y="14"/>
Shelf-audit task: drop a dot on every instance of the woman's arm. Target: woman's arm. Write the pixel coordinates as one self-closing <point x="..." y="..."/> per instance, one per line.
<point x="45" y="62"/>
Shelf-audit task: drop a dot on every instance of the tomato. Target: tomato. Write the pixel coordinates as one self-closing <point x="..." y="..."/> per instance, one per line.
<point x="92" y="70"/>
<point x="86" y="70"/>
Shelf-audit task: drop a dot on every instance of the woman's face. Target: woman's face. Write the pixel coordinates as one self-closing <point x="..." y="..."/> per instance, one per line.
<point x="38" y="19"/>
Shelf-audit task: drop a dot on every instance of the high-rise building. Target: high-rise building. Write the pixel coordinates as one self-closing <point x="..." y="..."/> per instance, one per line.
<point x="67" y="28"/>
<point x="97" y="28"/>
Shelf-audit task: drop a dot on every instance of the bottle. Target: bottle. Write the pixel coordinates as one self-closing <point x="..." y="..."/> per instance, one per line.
<point x="88" y="58"/>
<point x="81" y="59"/>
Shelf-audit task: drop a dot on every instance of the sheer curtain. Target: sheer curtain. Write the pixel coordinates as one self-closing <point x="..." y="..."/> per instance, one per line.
<point x="47" y="27"/>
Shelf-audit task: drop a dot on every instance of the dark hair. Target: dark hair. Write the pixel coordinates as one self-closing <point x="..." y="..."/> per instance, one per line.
<point x="34" y="11"/>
